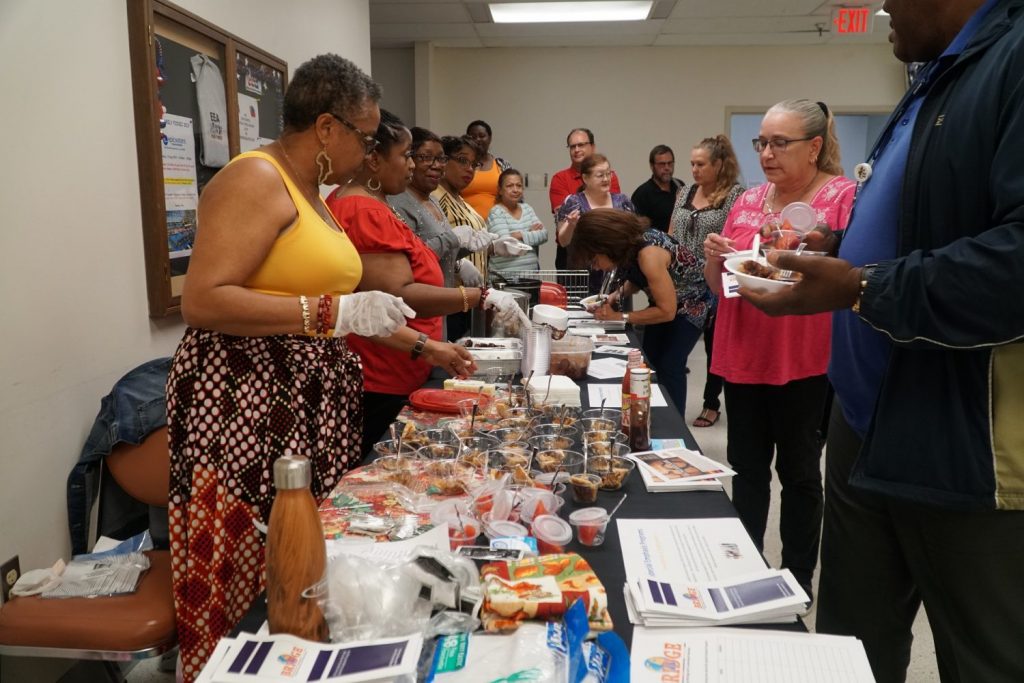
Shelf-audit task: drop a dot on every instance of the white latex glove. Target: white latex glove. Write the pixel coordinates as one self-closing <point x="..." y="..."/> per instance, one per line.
<point x="506" y="308"/>
<point x="508" y="245"/>
<point x="469" y="274"/>
<point x="472" y="240"/>
<point x="371" y="314"/>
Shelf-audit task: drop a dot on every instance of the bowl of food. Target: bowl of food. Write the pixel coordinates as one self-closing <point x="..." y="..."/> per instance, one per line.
<point x="758" y="274"/>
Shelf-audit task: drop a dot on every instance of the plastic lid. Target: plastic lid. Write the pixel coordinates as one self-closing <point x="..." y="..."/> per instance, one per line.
<point x="554" y="317"/>
<point x="589" y="516"/>
<point x="292" y="472"/>
<point x="800" y="216"/>
<point x="501" y="508"/>
<point x="503" y="528"/>
<point x="551" y="529"/>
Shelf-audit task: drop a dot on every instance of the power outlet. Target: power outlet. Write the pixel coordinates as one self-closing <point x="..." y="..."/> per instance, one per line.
<point x="9" y="573"/>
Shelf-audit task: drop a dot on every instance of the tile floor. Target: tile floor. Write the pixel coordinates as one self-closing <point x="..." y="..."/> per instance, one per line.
<point x="712" y="441"/>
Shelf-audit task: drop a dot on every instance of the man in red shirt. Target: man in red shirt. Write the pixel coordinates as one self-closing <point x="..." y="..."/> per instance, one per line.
<point x="580" y="142"/>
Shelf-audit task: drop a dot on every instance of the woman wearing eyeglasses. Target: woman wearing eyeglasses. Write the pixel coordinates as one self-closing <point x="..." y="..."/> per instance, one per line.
<point x="264" y="368"/>
<point x="396" y="261"/>
<point x="596" y="193"/>
<point x="774" y="368"/>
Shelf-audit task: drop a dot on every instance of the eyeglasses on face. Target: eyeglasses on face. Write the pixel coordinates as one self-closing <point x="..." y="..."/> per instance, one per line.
<point x="464" y="161"/>
<point x="428" y="160"/>
<point x="369" y="142"/>
<point x="578" y="145"/>
<point x="602" y="175"/>
<point x="777" y="144"/>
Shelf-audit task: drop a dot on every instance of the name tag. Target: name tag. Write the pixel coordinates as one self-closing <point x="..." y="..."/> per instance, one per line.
<point x="730" y="286"/>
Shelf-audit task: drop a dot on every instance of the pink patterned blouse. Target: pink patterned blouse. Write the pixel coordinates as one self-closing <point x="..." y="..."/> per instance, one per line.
<point x="753" y="348"/>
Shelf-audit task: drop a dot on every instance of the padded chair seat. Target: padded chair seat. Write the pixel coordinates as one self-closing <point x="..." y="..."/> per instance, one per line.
<point x="118" y="624"/>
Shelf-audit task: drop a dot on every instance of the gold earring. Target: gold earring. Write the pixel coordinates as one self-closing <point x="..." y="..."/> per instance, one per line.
<point x="324" y="165"/>
<point x="370" y="187"/>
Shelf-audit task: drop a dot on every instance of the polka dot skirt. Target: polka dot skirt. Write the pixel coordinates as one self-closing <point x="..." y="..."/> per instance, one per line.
<point x="234" y="405"/>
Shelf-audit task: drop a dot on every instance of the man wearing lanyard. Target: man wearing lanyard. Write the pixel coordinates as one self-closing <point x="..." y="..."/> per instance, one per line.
<point x="924" y="493"/>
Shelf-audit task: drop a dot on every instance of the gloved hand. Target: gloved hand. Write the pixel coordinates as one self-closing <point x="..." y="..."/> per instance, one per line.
<point x="371" y="314"/>
<point x="472" y="240"/>
<point x="469" y="274"/>
<point x="506" y="308"/>
<point x="509" y="246"/>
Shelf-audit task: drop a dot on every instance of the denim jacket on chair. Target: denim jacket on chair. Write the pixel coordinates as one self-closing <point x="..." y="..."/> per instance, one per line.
<point x="136" y="406"/>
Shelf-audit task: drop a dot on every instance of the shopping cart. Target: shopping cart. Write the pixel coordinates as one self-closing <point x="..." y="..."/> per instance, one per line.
<point x="576" y="283"/>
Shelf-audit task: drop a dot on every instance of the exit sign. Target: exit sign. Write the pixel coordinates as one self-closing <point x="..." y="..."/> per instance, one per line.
<point x="848" y="20"/>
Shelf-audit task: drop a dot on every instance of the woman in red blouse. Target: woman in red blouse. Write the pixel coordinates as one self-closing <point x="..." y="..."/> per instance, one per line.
<point x="396" y="261"/>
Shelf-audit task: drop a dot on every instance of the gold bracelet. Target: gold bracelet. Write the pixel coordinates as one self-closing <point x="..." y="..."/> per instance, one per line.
<point x="865" y="272"/>
<point x="465" y="299"/>
<point x="306" y="329"/>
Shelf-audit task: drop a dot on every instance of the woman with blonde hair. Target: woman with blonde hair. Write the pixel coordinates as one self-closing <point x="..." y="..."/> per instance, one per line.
<point x="698" y="212"/>
<point x="774" y="368"/>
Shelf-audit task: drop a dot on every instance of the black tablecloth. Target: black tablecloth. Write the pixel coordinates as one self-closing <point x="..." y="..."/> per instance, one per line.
<point x="606" y="559"/>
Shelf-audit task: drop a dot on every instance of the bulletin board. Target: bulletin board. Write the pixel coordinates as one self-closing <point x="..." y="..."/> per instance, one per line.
<point x="201" y="96"/>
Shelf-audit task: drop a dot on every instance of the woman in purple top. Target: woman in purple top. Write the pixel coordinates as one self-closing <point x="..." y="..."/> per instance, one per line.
<point x="596" y="193"/>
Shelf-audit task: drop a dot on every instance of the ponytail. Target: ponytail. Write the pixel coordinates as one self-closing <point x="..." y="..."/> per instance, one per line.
<point x="817" y="122"/>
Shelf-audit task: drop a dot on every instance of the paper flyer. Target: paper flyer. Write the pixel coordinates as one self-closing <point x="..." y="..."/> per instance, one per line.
<point x="724" y="655"/>
<point x="248" y="122"/>
<point x="181" y="189"/>
<point x="611" y="394"/>
<point x="681" y="464"/>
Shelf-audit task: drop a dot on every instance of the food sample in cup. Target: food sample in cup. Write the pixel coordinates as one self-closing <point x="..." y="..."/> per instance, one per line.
<point x="590" y="524"/>
<point x="551" y="460"/>
<point x="613" y="415"/>
<point x="613" y="471"/>
<point x="438" y="451"/>
<point x="509" y="434"/>
<point x="539" y="503"/>
<point x="390" y="447"/>
<point x="413" y="437"/>
<point x="584" y="487"/>
<point x="552" y="533"/>
<point x="502" y="528"/>
<point x="599" y="424"/>
<point x="553" y="429"/>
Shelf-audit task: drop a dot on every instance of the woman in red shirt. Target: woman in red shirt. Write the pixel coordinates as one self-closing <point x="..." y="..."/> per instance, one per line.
<point x="774" y="368"/>
<point x="396" y="261"/>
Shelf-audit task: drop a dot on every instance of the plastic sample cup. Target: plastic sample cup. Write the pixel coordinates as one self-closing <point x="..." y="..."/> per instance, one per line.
<point x="438" y="451"/>
<point x="553" y="460"/>
<point x="552" y="533"/>
<point x="463" y="527"/>
<point x="590" y="524"/>
<point x="612" y="471"/>
<point x="502" y="528"/>
<point x="584" y="487"/>
<point x="539" y="503"/>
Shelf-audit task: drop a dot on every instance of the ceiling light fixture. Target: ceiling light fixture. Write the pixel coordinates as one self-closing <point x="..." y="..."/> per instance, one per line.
<point x="569" y="12"/>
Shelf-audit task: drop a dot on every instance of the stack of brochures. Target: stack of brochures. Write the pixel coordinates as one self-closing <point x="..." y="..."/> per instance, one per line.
<point x="673" y="467"/>
<point x="267" y="659"/>
<point x="727" y="655"/>
<point x="702" y="572"/>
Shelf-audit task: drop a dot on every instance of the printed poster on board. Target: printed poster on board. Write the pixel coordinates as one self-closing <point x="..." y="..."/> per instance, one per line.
<point x="181" y="190"/>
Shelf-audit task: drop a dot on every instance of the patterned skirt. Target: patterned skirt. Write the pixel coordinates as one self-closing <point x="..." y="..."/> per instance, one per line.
<point x="234" y="405"/>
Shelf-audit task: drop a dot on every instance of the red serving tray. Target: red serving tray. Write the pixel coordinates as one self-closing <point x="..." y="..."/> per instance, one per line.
<point x="442" y="400"/>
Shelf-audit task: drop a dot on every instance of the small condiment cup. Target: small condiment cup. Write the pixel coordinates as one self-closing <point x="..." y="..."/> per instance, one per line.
<point x="590" y="524"/>
<point x="552" y="533"/>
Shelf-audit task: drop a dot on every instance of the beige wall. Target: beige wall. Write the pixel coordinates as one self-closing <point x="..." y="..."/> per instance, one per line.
<point x="635" y="98"/>
<point x="72" y="285"/>
<point x="395" y="70"/>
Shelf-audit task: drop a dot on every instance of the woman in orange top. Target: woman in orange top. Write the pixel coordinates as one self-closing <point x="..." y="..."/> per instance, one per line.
<point x="482" y="192"/>
<point x="263" y="368"/>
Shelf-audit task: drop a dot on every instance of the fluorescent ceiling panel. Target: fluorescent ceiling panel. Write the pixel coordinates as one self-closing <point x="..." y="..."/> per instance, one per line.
<point x="569" y="12"/>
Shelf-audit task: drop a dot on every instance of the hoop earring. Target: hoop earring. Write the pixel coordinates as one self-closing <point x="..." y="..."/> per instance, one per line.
<point x="324" y="165"/>
<point x="370" y="187"/>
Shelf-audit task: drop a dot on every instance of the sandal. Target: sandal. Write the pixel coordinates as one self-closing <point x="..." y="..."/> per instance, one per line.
<point x="705" y="419"/>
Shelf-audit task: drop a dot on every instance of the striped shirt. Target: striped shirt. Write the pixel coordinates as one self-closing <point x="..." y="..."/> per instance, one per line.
<point x="458" y="212"/>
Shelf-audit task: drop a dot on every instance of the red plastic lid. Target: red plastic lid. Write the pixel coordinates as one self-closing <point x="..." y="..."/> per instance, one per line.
<point x="442" y="400"/>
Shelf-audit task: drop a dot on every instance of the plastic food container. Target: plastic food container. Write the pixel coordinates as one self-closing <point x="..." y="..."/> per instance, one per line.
<point x="463" y="527"/>
<point x="553" y="460"/>
<point x="612" y="471"/>
<point x="540" y="504"/>
<point x="570" y="356"/>
<point x="584" y="487"/>
<point x="590" y="524"/>
<point x="502" y="528"/>
<point x="552" y="533"/>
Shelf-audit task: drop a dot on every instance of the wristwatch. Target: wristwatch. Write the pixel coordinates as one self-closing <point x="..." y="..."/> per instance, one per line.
<point x="625" y="318"/>
<point x="417" y="350"/>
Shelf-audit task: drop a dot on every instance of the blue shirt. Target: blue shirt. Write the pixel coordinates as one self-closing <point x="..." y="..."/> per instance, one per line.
<point x="860" y="354"/>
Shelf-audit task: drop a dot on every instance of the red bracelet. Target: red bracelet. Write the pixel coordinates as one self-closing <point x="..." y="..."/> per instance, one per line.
<point x="483" y="296"/>
<point x="323" y="314"/>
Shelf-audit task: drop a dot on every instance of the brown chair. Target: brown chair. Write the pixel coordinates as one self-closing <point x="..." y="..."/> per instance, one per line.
<point x="112" y="629"/>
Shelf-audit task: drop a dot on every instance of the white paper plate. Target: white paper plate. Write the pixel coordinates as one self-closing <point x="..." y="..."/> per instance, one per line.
<point x="733" y="266"/>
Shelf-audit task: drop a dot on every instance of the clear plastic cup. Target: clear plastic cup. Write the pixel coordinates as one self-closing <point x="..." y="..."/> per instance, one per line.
<point x="613" y="471"/>
<point x="390" y="447"/>
<point x="477" y="445"/>
<point x="591" y="524"/>
<point x="438" y="451"/>
<point x="538" y="504"/>
<point x="439" y="435"/>
<point x="612" y="414"/>
<point x="510" y="434"/>
<point x="600" y="424"/>
<point x="466" y="406"/>
<point x="555" y="459"/>
<point x="502" y="528"/>
<point x="548" y="443"/>
<point x="584" y="487"/>
<point x="551" y="429"/>
<point x="598" y="444"/>
<point x="463" y="526"/>
<point x="552" y="533"/>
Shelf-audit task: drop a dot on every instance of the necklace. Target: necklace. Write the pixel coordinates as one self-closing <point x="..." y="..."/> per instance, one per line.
<point x="769" y="198"/>
<point x="291" y="167"/>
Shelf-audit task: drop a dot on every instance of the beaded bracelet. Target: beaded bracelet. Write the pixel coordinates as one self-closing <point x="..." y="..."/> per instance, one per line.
<point x="304" y="302"/>
<point x="323" y="315"/>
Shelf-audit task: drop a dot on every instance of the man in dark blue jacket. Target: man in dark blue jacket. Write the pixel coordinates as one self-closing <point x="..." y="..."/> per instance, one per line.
<point x="924" y="493"/>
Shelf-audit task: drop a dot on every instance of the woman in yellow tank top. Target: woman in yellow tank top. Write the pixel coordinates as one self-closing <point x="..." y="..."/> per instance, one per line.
<point x="263" y="368"/>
